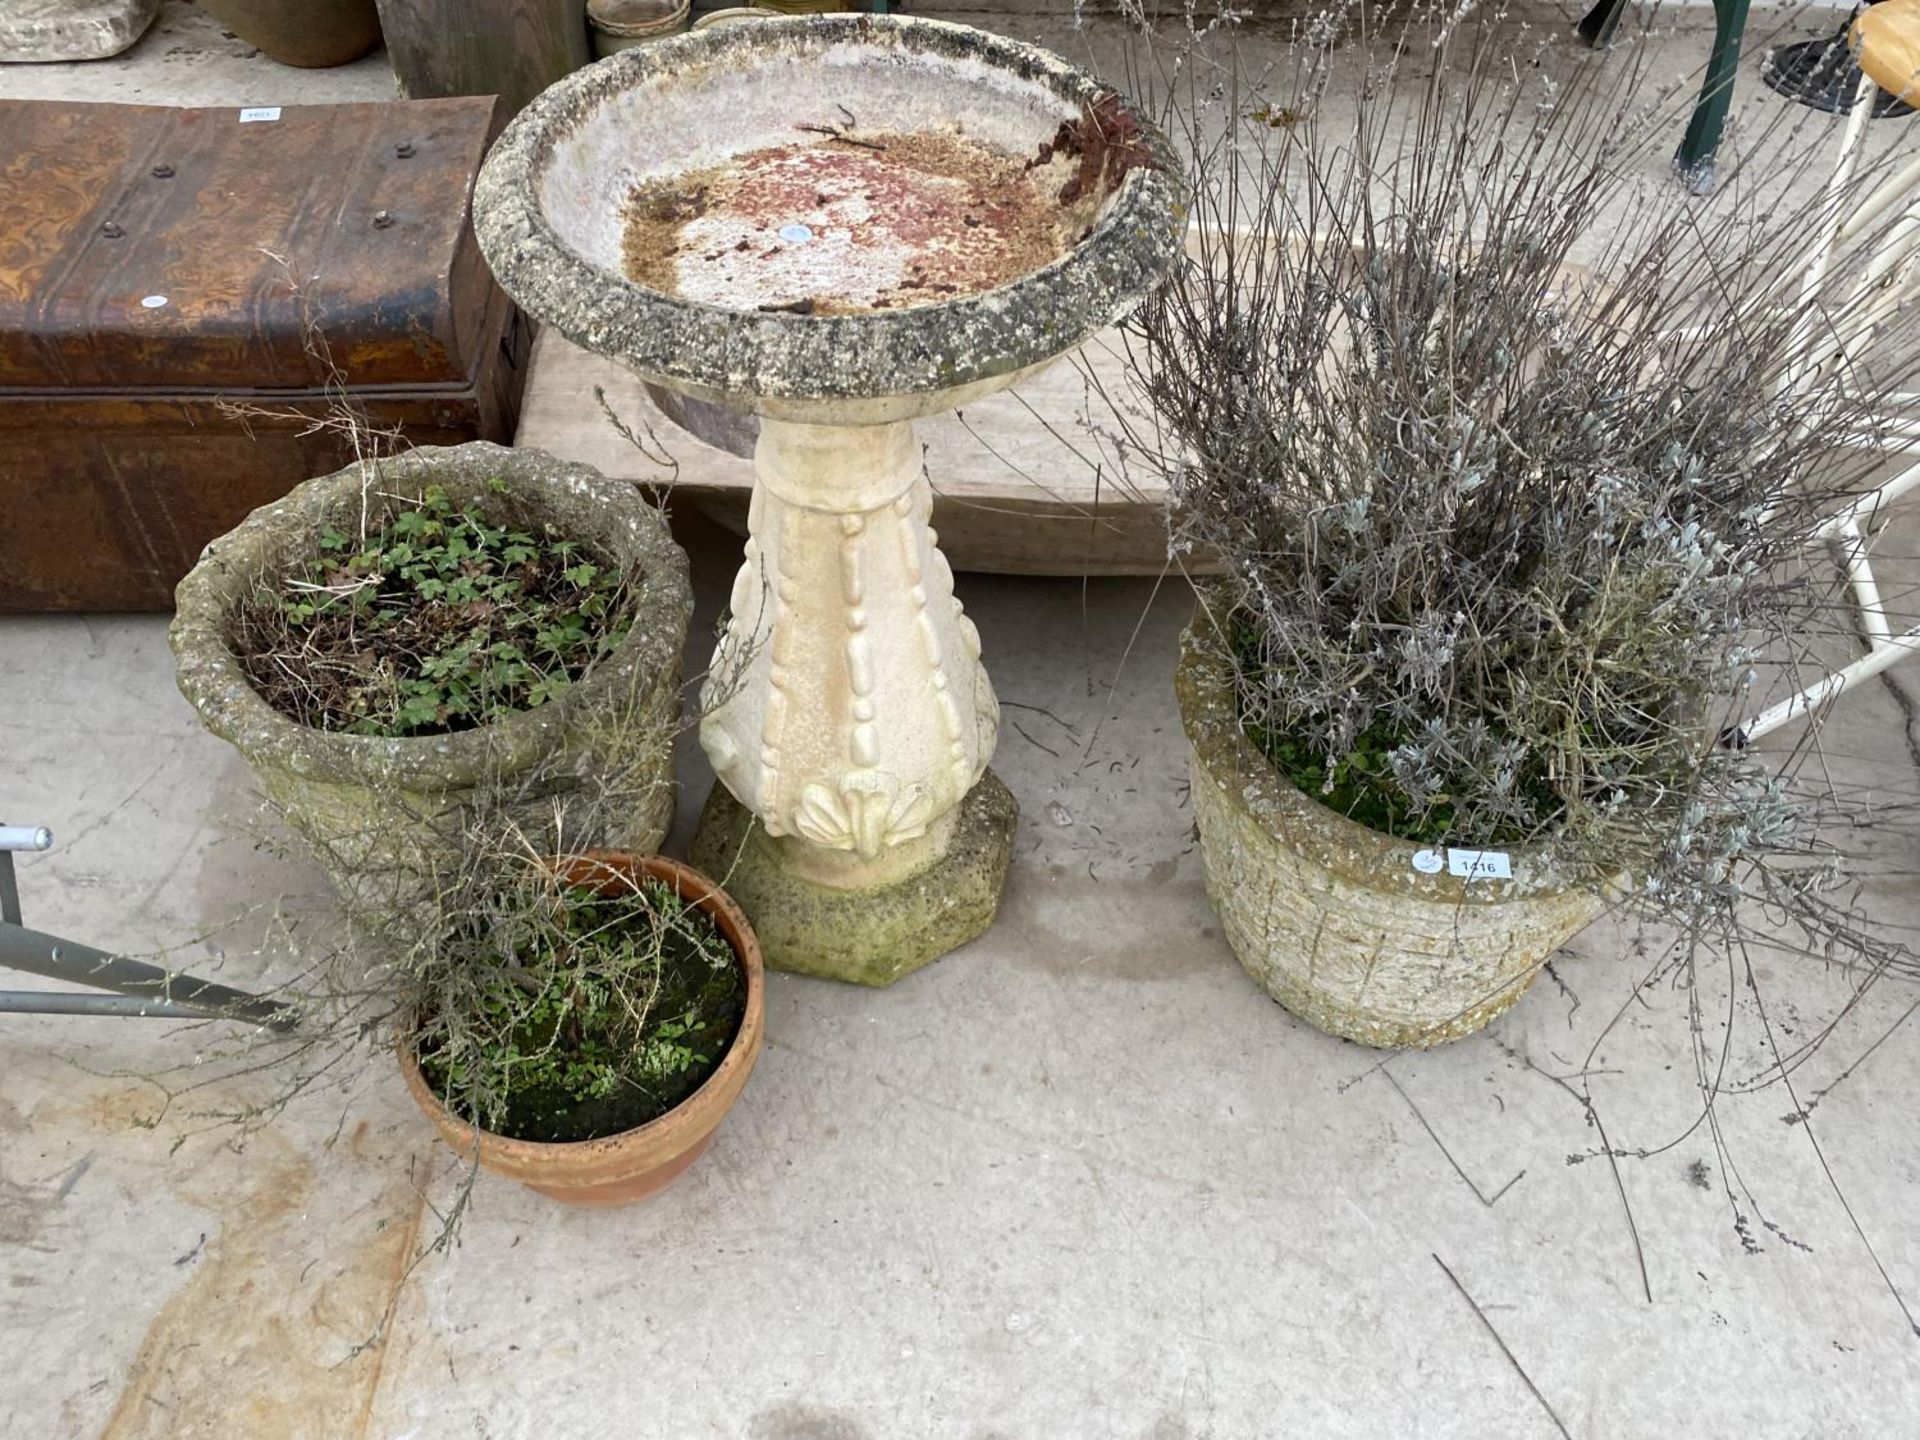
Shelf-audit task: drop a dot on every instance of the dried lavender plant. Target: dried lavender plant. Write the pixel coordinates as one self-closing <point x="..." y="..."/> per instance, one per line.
<point x="1501" y="458"/>
<point x="1511" y="457"/>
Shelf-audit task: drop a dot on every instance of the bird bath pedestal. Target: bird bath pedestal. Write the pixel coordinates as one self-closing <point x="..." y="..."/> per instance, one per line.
<point x="838" y="224"/>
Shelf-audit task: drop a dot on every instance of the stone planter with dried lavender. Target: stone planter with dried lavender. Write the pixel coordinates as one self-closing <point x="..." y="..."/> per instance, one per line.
<point x="1508" y="532"/>
<point x="1365" y="936"/>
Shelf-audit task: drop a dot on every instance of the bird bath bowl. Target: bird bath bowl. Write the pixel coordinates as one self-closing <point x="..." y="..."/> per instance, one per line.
<point x="838" y="224"/>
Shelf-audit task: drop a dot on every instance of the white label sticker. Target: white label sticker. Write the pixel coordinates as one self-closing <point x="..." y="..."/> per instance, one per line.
<point x="1428" y="862"/>
<point x="1480" y="864"/>
<point x="153" y="302"/>
<point x="258" y="113"/>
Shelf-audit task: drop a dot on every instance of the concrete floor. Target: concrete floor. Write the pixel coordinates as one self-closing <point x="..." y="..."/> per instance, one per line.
<point x="1081" y="1178"/>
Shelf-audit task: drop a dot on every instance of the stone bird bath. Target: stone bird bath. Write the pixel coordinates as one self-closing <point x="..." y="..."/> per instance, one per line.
<point x="838" y="224"/>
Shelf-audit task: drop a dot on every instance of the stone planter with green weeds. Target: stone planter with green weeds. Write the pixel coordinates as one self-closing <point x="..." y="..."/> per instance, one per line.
<point x="413" y="640"/>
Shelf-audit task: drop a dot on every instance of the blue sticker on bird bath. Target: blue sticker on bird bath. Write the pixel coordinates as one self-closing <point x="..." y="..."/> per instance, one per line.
<point x="795" y="234"/>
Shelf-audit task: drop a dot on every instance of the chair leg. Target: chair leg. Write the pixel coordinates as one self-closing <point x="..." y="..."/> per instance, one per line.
<point x="1694" y="161"/>
<point x="1803" y="364"/>
<point x="1599" y="23"/>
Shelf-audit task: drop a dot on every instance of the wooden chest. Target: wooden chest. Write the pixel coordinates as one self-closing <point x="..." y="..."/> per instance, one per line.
<point x="200" y="308"/>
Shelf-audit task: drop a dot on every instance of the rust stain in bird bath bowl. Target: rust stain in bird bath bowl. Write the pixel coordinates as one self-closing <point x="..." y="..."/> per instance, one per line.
<point x="855" y="221"/>
<point x="845" y="219"/>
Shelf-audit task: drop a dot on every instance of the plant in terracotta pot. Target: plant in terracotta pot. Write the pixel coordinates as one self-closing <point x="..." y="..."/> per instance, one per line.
<point x="581" y="1024"/>
<point x="574" y="1019"/>
<point x="401" y="645"/>
<point x="312" y="34"/>
<point x="1504" y="519"/>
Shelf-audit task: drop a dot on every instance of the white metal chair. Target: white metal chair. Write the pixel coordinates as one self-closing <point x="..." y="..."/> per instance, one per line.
<point x="1886" y="43"/>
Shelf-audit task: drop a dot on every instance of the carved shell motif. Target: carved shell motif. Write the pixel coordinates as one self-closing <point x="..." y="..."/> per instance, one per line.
<point x="868" y="813"/>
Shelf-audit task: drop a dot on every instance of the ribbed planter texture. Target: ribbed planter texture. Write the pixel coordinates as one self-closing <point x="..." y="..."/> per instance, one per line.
<point x="384" y="816"/>
<point x="619" y="1169"/>
<point x="1363" y="936"/>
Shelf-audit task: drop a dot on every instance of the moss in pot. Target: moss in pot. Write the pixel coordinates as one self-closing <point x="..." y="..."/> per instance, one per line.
<point x="596" y="1017"/>
<point x="585" y="1023"/>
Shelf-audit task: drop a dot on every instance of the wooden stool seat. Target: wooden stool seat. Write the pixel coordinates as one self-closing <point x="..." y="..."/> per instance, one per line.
<point x="1886" y="42"/>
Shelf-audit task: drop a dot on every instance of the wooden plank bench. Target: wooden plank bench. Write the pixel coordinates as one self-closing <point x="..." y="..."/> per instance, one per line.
<point x="1023" y="484"/>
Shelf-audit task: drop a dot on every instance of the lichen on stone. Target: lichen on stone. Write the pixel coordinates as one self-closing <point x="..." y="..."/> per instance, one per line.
<point x="383" y="815"/>
<point x="1337" y="922"/>
<point x="551" y="266"/>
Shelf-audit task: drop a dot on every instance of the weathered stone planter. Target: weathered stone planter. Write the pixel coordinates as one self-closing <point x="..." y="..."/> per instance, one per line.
<point x="1364" y="936"/>
<point x="383" y="815"/>
<point x="838" y="225"/>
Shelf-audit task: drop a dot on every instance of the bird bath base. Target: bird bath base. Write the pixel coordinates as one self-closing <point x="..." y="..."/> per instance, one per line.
<point x="848" y="708"/>
<point x="872" y="935"/>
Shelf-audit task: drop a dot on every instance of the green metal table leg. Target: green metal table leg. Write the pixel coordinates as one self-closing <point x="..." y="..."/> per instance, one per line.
<point x="1599" y="23"/>
<point x="1694" y="161"/>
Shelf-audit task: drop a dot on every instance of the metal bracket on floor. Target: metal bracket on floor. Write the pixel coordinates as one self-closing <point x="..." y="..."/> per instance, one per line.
<point x="142" y="991"/>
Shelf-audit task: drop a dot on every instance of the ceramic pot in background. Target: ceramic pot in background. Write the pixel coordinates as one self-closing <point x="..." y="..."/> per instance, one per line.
<point x="619" y="1169"/>
<point x="713" y="19"/>
<point x="622" y="24"/>
<point x="312" y="34"/>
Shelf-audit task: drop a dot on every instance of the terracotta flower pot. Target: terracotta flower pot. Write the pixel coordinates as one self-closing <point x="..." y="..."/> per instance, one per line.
<point x="312" y="34"/>
<point x="1364" y="936"/>
<point x="619" y="1169"/>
